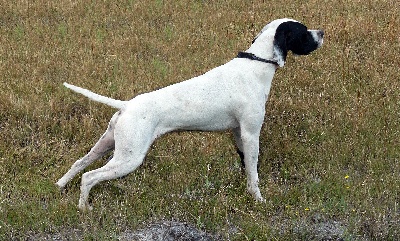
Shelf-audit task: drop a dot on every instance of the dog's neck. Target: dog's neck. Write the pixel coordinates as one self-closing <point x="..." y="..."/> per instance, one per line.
<point x="251" y="56"/>
<point x="263" y="46"/>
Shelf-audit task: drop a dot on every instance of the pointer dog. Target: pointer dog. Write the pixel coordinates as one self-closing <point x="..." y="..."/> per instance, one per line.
<point x="231" y="96"/>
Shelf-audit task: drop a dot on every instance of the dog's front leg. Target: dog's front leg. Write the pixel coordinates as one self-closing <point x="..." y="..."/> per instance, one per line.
<point x="250" y="141"/>
<point x="239" y="145"/>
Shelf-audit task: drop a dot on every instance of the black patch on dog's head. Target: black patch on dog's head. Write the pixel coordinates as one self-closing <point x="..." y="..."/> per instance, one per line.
<point x="293" y="36"/>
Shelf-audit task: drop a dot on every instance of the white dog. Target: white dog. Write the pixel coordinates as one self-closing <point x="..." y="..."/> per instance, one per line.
<point x="231" y="96"/>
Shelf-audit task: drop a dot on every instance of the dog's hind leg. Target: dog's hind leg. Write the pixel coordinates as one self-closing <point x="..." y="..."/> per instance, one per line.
<point x="102" y="147"/>
<point x="131" y="146"/>
<point x="115" y="168"/>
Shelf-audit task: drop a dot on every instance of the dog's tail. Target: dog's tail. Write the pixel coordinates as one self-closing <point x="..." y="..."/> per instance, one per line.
<point x="119" y="104"/>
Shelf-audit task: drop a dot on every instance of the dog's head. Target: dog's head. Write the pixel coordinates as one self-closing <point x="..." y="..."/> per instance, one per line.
<point x="289" y="34"/>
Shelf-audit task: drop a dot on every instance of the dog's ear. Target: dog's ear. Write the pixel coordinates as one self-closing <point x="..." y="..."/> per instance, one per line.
<point x="280" y="48"/>
<point x="284" y="38"/>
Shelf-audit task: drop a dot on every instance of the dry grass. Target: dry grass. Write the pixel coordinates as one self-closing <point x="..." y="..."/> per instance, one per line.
<point x="329" y="162"/>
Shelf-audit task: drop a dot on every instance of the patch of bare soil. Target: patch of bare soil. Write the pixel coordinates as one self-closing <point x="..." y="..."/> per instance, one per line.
<point x="159" y="231"/>
<point x="319" y="228"/>
<point x="165" y="231"/>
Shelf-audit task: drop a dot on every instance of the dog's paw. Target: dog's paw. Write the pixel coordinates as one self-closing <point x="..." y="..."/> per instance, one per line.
<point x="260" y="199"/>
<point x="255" y="191"/>
<point x="84" y="207"/>
<point x="257" y="196"/>
<point x="60" y="187"/>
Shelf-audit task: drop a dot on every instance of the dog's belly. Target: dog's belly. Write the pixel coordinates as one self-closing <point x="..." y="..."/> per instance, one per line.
<point x="191" y="116"/>
<point x="207" y="122"/>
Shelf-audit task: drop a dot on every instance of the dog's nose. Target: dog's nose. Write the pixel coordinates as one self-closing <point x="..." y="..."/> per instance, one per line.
<point x="321" y="33"/>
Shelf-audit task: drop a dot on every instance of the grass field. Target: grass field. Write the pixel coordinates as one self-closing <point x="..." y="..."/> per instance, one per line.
<point x="329" y="152"/>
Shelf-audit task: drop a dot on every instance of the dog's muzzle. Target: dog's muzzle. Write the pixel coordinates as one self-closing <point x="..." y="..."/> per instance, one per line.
<point x="318" y="36"/>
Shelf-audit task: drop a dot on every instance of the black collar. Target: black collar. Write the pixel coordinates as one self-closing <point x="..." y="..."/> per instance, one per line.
<point x="254" y="57"/>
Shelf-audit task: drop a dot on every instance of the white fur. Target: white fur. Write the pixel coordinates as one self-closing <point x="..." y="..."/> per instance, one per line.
<point x="231" y="96"/>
